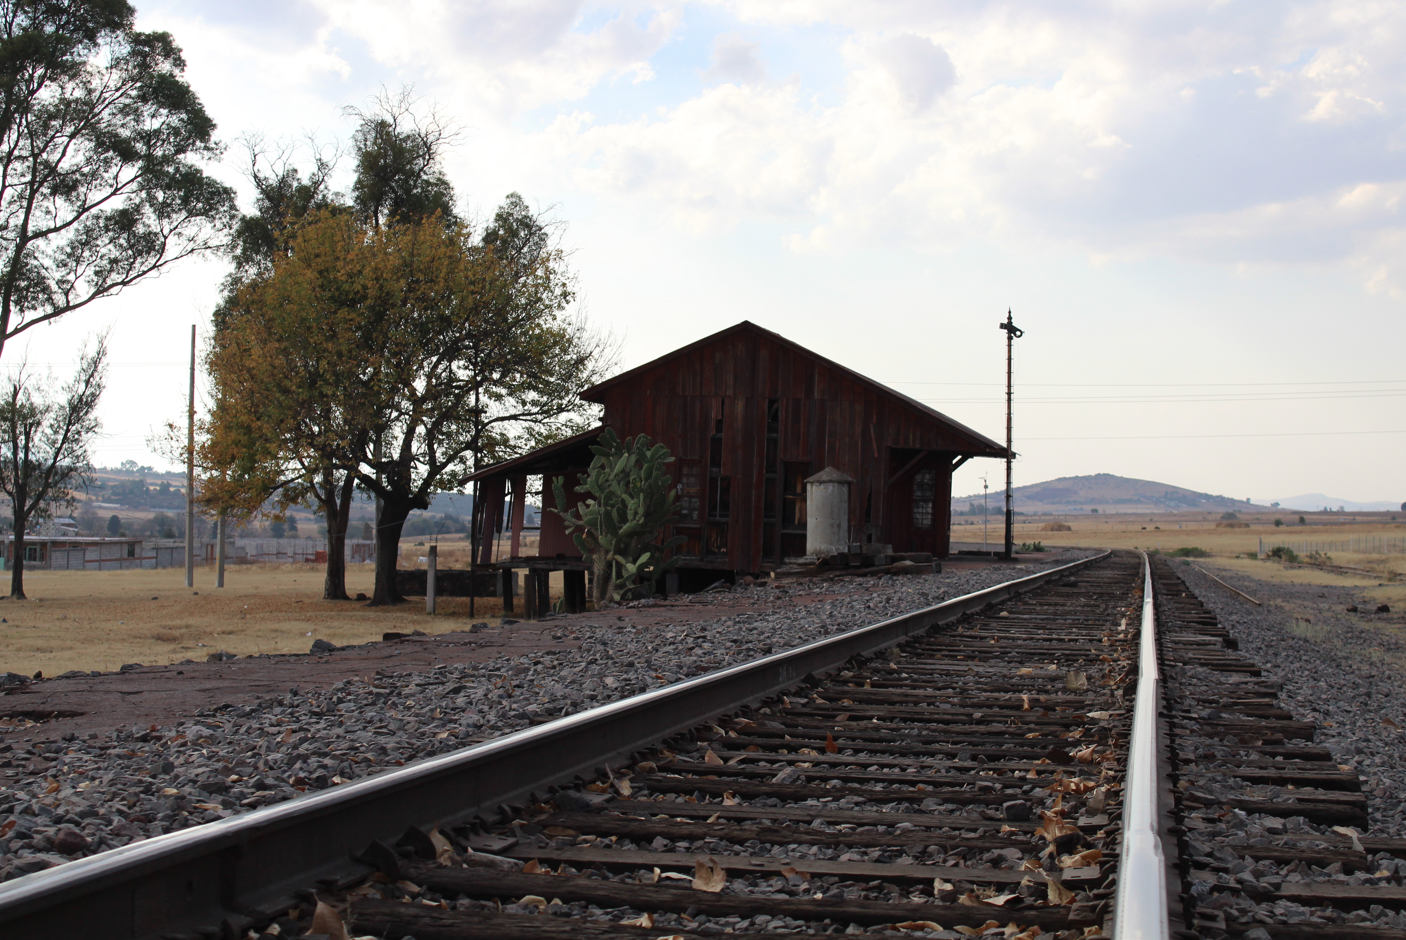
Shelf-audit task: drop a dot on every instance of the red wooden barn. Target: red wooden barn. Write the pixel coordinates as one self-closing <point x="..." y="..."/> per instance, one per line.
<point x="748" y="416"/>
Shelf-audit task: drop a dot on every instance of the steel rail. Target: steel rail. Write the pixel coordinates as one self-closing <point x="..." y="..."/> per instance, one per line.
<point x="254" y="862"/>
<point x="1140" y="909"/>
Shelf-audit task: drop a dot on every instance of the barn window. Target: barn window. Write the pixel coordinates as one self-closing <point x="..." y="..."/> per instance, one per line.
<point x="690" y="489"/>
<point x="924" y="491"/>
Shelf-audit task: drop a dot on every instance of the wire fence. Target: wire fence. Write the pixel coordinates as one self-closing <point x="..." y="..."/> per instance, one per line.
<point x="1357" y="544"/>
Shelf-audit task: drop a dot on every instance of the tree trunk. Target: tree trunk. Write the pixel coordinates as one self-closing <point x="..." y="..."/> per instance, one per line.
<point x="17" y="569"/>
<point x="337" y="512"/>
<point x="393" y="516"/>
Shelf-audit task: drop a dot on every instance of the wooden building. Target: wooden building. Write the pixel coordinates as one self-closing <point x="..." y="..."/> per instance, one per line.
<point x="748" y="416"/>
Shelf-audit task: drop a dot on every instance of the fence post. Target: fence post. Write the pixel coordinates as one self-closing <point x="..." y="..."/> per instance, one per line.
<point x="430" y="565"/>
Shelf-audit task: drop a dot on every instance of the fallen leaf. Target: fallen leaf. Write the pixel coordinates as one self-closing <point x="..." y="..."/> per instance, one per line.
<point x="1001" y="899"/>
<point x="1056" y="892"/>
<point x="1025" y="703"/>
<point x="1389" y="723"/>
<point x="656" y="876"/>
<point x="644" y="920"/>
<point x="711" y="758"/>
<point x="1025" y="672"/>
<point x="730" y="798"/>
<point x="830" y="746"/>
<point x="1100" y="716"/>
<point x="443" y="849"/>
<point x="708" y="875"/>
<point x="1351" y="834"/>
<point x="714" y="818"/>
<point x="868" y="684"/>
<point x="327" y="921"/>
<point x="5" y="829"/>
<point x="1030" y="864"/>
<point x="533" y="867"/>
<point x="752" y="748"/>
<point x="533" y="901"/>
<point x="622" y="784"/>
<point x="917" y="925"/>
<point x="676" y="876"/>
<point x="1052" y="827"/>
<point x="1082" y="860"/>
<point x="647" y="767"/>
<point x="1076" y="681"/>
<point x="601" y="787"/>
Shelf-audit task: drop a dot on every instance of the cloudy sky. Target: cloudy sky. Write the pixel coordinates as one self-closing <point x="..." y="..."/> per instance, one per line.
<point x="1193" y="208"/>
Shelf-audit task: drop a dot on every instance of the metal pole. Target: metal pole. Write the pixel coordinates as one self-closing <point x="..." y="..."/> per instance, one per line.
<point x="220" y="551"/>
<point x="1012" y="333"/>
<point x="190" y="469"/>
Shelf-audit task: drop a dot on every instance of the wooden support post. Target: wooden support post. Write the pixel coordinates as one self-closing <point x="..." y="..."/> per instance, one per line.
<point x="505" y="589"/>
<point x="544" y="592"/>
<point x="220" y="551"/>
<point x="574" y="591"/>
<point x="529" y="595"/>
<point x="430" y="564"/>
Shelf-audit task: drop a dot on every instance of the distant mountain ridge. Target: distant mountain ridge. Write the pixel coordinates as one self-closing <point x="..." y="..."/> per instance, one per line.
<point x="1314" y="502"/>
<point x="1107" y="492"/>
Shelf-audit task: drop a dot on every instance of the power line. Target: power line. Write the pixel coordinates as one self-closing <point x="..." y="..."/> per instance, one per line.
<point x="1168" y="437"/>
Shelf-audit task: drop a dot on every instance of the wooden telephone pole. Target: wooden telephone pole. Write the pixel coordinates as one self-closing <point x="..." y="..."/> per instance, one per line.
<point x="1012" y="334"/>
<point x="190" y="469"/>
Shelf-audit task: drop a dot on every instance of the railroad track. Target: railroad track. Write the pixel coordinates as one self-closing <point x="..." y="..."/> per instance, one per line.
<point x="965" y="768"/>
<point x="1270" y="833"/>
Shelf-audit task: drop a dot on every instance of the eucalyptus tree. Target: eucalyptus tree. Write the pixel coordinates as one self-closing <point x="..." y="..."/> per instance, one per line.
<point x="102" y="144"/>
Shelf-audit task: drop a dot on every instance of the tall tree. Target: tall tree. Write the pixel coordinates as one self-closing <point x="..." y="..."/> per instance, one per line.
<point x="292" y="397"/>
<point x="480" y="358"/>
<point x="44" y="439"/>
<point x="399" y="152"/>
<point x="101" y="141"/>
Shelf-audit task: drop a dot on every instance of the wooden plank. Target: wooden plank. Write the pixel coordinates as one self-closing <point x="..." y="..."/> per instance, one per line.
<point x="424" y="922"/>
<point x="488" y="883"/>
<point x="895" y="872"/>
<point x="675" y="830"/>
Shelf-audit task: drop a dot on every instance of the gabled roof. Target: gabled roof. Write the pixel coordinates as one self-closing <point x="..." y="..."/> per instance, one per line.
<point x="596" y="392"/>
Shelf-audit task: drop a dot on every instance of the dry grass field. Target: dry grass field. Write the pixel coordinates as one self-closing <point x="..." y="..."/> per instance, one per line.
<point x="101" y="620"/>
<point x="1381" y="575"/>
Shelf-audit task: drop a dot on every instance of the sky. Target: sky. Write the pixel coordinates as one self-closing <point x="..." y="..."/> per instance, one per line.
<point x="1192" y="209"/>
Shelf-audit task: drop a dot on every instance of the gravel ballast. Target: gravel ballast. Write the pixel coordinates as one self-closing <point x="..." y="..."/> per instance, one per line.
<point x="107" y="790"/>
<point x="1340" y="669"/>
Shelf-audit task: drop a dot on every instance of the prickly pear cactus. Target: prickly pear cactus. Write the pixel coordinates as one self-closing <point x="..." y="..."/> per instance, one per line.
<point x="630" y="498"/>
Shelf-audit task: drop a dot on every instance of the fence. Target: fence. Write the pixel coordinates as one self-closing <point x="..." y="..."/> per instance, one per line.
<point x="98" y="555"/>
<point x="1357" y="544"/>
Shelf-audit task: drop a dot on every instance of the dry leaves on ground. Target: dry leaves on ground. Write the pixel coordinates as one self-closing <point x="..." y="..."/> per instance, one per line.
<point x="708" y="875"/>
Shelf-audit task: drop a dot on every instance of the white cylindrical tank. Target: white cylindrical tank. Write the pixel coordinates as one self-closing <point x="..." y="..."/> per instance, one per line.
<point x="827" y="512"/>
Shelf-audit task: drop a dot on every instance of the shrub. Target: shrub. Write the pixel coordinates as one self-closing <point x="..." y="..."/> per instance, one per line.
<point x="1284" y="554"/>
<point x="1278" y="523"/>
<point x="1229" y="516"/>
<point x="1189" y="552"/>
<point x="1056" y="527"/>
<point x="1032" y="546"/>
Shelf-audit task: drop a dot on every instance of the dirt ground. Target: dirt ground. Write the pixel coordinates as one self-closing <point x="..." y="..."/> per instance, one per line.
<point x="162" y="694"/>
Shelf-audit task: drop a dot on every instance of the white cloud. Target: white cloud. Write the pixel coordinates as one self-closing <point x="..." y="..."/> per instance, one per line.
<point x="919" y="69"/>
<point x="736" y="60"/>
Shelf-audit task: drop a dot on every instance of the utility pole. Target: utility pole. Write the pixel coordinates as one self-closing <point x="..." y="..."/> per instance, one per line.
<point x="190" y="469"/>
<point x="1012" y="334"/>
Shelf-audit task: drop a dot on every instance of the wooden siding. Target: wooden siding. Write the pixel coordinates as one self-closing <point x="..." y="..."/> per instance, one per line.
<point x="828" y="417"/>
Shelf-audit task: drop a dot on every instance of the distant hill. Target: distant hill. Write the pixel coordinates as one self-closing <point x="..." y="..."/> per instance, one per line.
<point x="1313" y="502"/>
<point x="1107" y="493"/>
